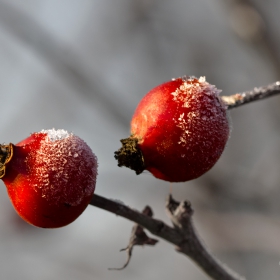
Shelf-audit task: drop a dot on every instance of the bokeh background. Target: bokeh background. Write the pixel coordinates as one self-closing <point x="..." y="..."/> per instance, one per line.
<point x="83" y="66"/>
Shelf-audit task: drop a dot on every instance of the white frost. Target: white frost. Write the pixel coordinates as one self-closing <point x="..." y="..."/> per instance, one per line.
<point x="64" y="166"/>
<point x="56" y="134"/>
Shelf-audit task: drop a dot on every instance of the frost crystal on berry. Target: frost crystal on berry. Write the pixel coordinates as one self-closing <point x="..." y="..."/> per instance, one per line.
<point x="63" y="157"/>
<point x="56" y="134"/>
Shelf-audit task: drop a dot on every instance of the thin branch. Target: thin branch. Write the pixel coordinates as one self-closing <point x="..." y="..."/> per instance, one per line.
<point x="183" y="235"/>
<point x="257" y="93"/>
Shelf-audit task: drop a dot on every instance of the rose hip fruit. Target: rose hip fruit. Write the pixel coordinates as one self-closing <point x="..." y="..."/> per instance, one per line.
<point x="178" y="131"/>
<point x="50" y="177"/>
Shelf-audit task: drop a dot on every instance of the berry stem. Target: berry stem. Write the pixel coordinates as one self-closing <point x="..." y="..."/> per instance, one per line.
<point x="6" y="153"/>
<point x="255" y="94"/>
<point x="129" y="155"/>
<point x="183" y="235"/>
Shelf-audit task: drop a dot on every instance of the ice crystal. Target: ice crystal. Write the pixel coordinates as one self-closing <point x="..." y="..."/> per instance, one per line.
<point x="64" y="167"/>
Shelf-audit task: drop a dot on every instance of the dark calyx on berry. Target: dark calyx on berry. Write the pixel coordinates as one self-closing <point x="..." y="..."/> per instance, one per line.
<point x="129" y="155"/>
<point x="6" y="153"/>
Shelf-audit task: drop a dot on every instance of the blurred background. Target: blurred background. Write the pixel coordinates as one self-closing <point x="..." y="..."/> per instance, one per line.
<point x="83" y="66"/>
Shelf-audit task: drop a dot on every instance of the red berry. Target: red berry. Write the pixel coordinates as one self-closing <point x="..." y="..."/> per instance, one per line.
<point x="178" y="131"/>
<point x="50" y="177"/>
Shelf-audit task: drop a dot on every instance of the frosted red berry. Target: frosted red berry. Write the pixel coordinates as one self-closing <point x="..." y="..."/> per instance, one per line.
<point x="50" y="177"/>
<point x="178" y="131"/>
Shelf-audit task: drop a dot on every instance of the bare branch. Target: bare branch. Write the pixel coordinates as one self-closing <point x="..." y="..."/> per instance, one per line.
<point x="257" y="93"/>
<point x="183" y="235"/>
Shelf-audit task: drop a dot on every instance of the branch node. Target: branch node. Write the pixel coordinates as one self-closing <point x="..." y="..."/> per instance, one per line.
<point x="179" y="213"/>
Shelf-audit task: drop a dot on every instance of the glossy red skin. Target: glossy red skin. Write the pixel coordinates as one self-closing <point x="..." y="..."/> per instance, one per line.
<point x="155" y="124"/>
<point x="30" y="203"/>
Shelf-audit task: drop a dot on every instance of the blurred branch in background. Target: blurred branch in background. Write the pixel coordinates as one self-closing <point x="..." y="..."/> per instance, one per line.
<point x="64" y="60"/>
<point x="249" y="22"/>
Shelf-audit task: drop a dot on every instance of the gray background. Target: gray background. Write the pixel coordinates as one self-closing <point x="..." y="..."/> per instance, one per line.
<point x="83" y="66"/>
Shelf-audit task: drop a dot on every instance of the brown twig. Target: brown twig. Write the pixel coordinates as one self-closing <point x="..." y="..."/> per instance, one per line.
<point x="257" y="93"/>
<point x="137" y="237"/>
<point x="182" y="235"/>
